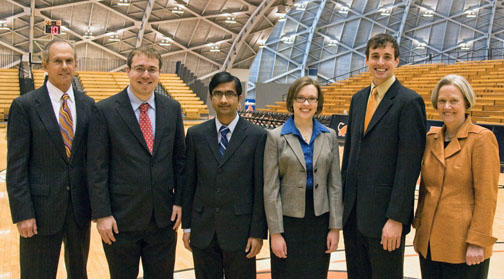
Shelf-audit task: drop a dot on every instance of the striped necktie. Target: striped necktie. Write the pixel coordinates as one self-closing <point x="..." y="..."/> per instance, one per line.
<point x="224" y="141"/>
<point x="66" y="124"/>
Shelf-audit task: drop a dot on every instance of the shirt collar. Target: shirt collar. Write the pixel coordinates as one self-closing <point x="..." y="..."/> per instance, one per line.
<point x="290" y="128"/>
<point x="384" y="86"/>
<point x="136" y="102"/>
<point x="55" y="93"/>
<point x="231" y="125"/>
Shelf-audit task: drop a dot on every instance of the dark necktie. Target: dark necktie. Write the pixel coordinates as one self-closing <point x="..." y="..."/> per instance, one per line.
<point x="66" y="124"/>
<point x="146" y="127"/>
<point x="224" y="141"/>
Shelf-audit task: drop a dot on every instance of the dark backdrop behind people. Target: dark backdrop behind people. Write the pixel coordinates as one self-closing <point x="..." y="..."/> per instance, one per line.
<point x="458" y="190"/>
<point x="384" y="144"/>
<point x="136" y="158"/>
<point x="224" y="221"/>
<point x="46" y="169"/>
<point x="302" y="189"/>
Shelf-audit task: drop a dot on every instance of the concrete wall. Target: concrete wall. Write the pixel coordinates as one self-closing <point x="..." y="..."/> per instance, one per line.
<point x="269" y="93"/>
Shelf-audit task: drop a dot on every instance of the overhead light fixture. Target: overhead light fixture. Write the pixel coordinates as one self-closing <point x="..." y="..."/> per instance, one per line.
<point x="332" y="43"/>
<point x="262" y="44"/>
<point x="427" y="13"/>
<point x="464" y="46"/>
<point x="471" y="14"/>
<point x="214" y="48"/>
<point x="123" y="3"/>
<point x="63" y="30"/>
<point x="165" y="42"/>
<point x="114" y="38"/>
<point x="342" y="10"/>
<point x="230" y="20"/>
<point x="3" y="25"/>
<point x="288" y="39"/>
<point x="385" y="11"/>
<point x="420" y="46"/>
<point x="301" y="6"/>
<point x="178" y="10"/>
<point x="88" y="34"/>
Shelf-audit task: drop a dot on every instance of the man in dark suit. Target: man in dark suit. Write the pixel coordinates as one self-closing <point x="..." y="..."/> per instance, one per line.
<point x="136" y="158"/>
<point x="46" y="169"/>
<point x="384" y="144"/>
<point x="224" y="221"/>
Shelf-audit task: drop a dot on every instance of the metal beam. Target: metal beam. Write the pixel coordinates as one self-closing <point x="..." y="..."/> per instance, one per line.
<point x="403" y="21"/>
<point x="490" y="27"/>
<point x="244" y="32"/>
<point x="9" y="46"/>
<point x="145" y="20"/>
<point x="281" y="76"/>
<point x="310" y="36"/>
<point x="64" y="5"/>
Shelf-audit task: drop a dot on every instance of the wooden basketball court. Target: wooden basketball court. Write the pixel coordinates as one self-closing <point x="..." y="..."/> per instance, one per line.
<point x="97" y="264"/>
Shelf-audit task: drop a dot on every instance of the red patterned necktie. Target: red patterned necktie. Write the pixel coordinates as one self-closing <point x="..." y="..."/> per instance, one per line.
<point x="66" y="124"/>
<point x="146" y="127"/>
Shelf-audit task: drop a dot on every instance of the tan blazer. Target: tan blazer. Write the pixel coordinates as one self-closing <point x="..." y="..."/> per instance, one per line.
<point x="458" y="194"/>
<point x="285" y="179"/>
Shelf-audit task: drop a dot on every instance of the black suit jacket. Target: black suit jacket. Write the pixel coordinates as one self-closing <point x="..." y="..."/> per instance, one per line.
<point x="125" y="180"/>
<point x="224" y="195"/>
<point x="39" y="174"/>
<point x="380" y="167"/>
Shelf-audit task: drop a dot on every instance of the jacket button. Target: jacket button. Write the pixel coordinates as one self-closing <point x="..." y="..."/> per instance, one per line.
<point x="68" y="188"/>
<point x="316" y="186"/>
<point x="217" y="210"/>
<point x="315" y="170"/>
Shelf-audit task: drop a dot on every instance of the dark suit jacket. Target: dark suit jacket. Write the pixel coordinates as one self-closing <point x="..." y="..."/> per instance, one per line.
<point x="381" y="167"/>
<point x="224" y="195"/>
<point x="39" y="174"/>
<point x="125" y="180"/>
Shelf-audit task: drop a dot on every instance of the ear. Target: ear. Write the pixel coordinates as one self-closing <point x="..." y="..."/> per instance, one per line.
<point x="128" y="69"/>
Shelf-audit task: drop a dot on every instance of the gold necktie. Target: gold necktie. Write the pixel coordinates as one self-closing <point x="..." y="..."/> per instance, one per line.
<point x="66" y="125"/>
<point x="371" y="107"/>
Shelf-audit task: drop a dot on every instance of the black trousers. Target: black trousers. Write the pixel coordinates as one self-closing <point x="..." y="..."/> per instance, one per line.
<point x="306" y="240"/>
<point x="439" y="270"/>
<point x="213" y="263"/>
<point x="155" y="246"/>
<point x="39" y="255"/>
<point x="366" y="258"/>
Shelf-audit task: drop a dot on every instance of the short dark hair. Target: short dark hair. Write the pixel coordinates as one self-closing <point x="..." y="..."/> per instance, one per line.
<point x="223" y="77"/>
<point x="296" y="87"/>
<point x="381" y="40"/>
<point x="149" y="52"/>
<point x="45" y="52"/>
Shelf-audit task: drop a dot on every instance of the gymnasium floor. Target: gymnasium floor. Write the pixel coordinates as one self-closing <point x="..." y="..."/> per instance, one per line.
<point x="97" y="264"/>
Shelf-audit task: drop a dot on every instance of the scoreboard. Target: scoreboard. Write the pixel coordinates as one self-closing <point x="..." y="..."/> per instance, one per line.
<point x="53" y="27"/>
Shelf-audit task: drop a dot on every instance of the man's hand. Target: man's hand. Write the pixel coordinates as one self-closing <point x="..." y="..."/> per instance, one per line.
<point x="254" y="246"/>
<point x="332" y="240"/>
<point x="107" y="226"/>
<point x="278" y="246"/>
<point x="27" y="228"/>
<point x="474" y="255"/>
<point x="391" y="235"/>
<point x="186" y="238"/>
<point x="176" y="216"/>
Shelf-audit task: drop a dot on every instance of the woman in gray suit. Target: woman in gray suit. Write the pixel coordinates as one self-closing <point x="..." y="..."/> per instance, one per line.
<point x="302" y="188"/>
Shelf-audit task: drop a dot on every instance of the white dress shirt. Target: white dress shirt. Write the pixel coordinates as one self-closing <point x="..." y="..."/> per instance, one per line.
<point x="55" y="95"/>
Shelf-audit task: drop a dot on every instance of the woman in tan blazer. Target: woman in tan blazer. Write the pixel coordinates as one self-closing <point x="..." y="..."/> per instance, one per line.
<point x="458" y="190"/>
<point x="302" y="188"/>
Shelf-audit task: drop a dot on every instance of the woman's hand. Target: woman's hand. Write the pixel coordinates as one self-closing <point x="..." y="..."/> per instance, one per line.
<point x="332" y="240"/>
<point x="278" y="246"/>
<point x="474" y="255"/>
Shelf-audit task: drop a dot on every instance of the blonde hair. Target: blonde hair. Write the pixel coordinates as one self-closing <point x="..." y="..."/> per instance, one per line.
<point x="463" y="86"/>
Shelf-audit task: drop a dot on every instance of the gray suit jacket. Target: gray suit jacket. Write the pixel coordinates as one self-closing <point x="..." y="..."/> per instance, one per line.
<point x="285" y="179"/>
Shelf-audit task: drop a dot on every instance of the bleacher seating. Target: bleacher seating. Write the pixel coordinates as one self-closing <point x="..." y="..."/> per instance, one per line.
<point x="9" y="89"/>
<point x="484" y="76"/>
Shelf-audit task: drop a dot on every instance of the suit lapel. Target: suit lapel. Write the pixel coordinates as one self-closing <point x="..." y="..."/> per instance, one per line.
<point x="294" y="144"/>
<point x="211" y="137"/>
<point x="161" y="113"/>
<point x="127" y="114"/>
<point x="437" y="149"/>
<point x="81" y="119"/>
<point x="360" y="111"/>
<point x="48" y="118"/>
<point x="236" y="139"/>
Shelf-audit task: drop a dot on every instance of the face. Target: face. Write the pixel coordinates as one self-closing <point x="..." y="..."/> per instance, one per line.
<point x="143" y="75"/>
<point x="225" y="101"/>
<point x="60" y="66"/>
<point x="305" y="104"/>
<point x="451" y="106"/>
<point x="382" y="63"/>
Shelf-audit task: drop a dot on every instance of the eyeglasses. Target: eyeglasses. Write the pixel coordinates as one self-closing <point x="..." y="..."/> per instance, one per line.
<point x="311" y="100"/>
<point x="228" y="94"/>
<point x="142" y="69"/>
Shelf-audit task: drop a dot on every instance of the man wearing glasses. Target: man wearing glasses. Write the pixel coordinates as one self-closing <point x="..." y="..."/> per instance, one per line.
<point x="136" y="156"/>
<point x="224" y="221"/>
